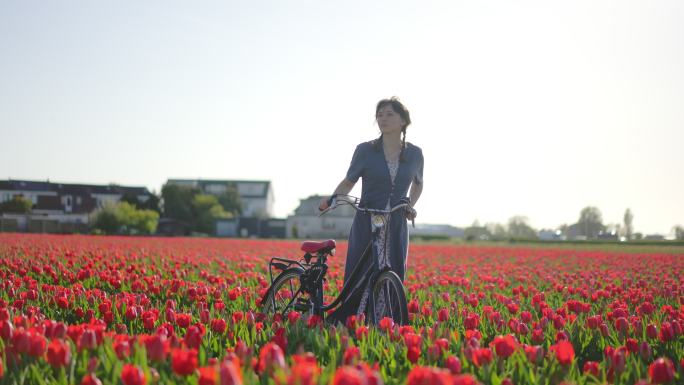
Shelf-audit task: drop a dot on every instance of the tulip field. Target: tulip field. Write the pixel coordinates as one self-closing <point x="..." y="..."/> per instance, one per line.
<point x="78" y="309"/>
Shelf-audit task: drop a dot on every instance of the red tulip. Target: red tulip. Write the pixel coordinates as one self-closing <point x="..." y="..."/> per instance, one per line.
<point x="58" y="353"/>
<point x="537" y="336"/>
<point x="534" y="354"/>
<point x="271" y="358"/>
<point x="204" y="316"/>
<point x="6" y="330"/>
<point x="183" y="320"/>
<point x="37" y="344"/>
<point x="413" y="354"/>
<point x="131" y="313"/>
<point x="184" y="362"/>
<point x="421" y="375"/>
<point x="155" y="347"/>
<point x="21" y="341"/>
<point x="504" y="346"/>
<point x="661" y="371"/>
<point x="87" y="340"/>
<point x="621" y="325"/>
<point x="564" y="351"/>
<point x="413" y="306"/>
<point x="453" y="364"/>
<point x="386" y="324"/>
<point x="305" y="371"/>
<point x="351" y="355"/>
<point x="666" y="332"/>
<point x="294" y="316"/>
<point x="90" y="379"/>
<point x="348" y="375"/>
<point x="122" y="347"/>
<point x="132" y="375"/>
<point x="443" y="315"/>
<point x="230" y="373"/>
<point x="193" y="337"/>
<point x="207" y="376"/>
<point x="591" y="367"/>
<point x="218" y="325"/>
<point x="481" y="356"/>
<point x="619" y="359"/>
<point x="645" y="351"/>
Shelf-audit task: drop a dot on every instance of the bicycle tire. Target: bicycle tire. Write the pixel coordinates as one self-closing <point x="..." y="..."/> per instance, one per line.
<point x="388" y="282"/>
<point x="271" y="301"/>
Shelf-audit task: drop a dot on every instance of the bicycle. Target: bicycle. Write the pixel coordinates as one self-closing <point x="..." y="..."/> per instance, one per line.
<point x="299" y="286"/>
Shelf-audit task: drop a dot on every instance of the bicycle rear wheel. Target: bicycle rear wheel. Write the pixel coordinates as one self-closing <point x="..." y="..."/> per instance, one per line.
<point x="388" y="299"/>
<point x="284" y="294"/>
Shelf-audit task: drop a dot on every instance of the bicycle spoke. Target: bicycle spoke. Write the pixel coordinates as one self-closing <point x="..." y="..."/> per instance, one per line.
<point x="388" y="300"/>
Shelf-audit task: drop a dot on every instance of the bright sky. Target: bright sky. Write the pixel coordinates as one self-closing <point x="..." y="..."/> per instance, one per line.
<point x="535" y="108"/>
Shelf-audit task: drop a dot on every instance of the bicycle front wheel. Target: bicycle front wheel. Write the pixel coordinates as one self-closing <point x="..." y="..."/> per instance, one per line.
<point x="388" y="299"/>
<point x="284" y="293"/>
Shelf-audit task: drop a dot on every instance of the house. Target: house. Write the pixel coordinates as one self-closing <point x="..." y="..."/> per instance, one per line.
<point x="246" y="227"/>
<point x="306" y="222"/>
<point x="256" y="196"/>
<point x="60" y="207"/>
<point x="436" y="230"/>
<point x="172" y="227"/>
<point x="550" y="235"/>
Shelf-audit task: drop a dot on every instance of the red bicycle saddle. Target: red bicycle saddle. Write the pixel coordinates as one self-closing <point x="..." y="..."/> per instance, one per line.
<point x="315" y="247"/>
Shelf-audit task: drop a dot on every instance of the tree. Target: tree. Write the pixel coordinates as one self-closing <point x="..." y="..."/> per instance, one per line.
<point x="678" y="232"/>
<point x="497" y="230"/>
<point x="590" y="222"/>
<point x="177" y="202"/>
<point x="519" y="228"/>
<point x="206" y="209"/>
<point x="476" y="232"/>
<point x="152" y="203"/>
<point x="18" y="204"/>
<point x="124" y="218"/>
<point x="106" y="219"/>
<point x="231" y="202"/>
<point x="136" y="221"/>
<point x="627" y="220"/>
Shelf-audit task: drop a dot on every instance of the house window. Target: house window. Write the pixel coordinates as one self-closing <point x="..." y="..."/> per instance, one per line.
<point x="78" y="200"/>
<point x="68" y="201"/>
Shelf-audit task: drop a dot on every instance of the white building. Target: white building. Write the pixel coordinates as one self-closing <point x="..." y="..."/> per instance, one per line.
<point x="60" y="207"/>
<point x="306" y="222"/>
<point x="256" y="196"/>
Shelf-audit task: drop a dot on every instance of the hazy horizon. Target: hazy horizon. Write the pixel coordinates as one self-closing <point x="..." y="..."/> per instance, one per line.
<point x="531" y="108"/>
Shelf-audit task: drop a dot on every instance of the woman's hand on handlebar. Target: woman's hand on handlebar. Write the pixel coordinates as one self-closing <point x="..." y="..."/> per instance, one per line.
<point x="411" y="213"/>
<point x="324" y="203"/>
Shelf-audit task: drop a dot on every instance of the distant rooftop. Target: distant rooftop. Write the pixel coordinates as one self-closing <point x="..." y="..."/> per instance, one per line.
<point x="70" y="188"/>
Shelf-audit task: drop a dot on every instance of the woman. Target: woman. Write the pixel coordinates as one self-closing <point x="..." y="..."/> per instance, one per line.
<point x="387" y="167"/>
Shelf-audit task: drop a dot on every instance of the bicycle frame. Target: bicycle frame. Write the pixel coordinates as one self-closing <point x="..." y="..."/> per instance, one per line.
<point x="358" y="278"/>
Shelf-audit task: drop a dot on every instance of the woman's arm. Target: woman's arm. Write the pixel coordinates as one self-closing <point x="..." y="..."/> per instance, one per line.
<point x="414" y="194"/>
<point x="343" y="188"/>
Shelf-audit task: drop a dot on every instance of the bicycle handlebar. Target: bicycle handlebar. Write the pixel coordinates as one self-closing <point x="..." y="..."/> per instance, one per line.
<point x="333" y="203"/>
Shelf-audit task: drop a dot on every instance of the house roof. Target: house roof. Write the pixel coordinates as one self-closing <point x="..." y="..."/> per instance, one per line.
<point x="71" y="188"/>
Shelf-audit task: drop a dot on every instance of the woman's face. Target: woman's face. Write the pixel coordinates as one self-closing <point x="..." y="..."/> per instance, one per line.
<point x="388" y="120"/>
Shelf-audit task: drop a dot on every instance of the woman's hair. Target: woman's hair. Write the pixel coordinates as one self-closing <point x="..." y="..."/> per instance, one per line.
<point x="403" y="113"/>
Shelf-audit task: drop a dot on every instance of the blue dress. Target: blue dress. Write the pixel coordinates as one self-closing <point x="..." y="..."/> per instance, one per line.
<point x="379" y="190"/>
